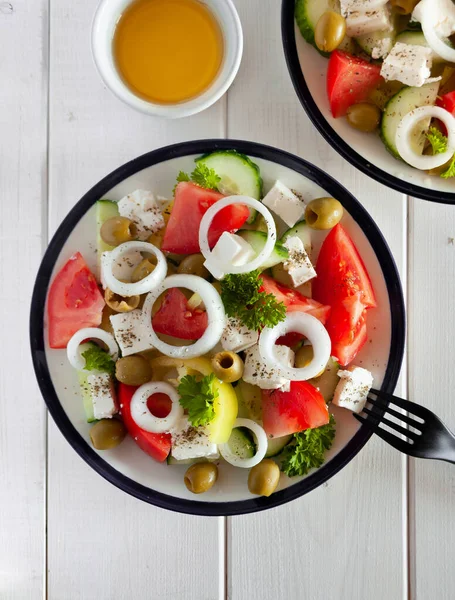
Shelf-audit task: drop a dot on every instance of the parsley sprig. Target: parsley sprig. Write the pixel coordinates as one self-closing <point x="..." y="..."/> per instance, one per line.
<point x="96" y="359"/>
<point x="242" y="299"/>
<point x="307" y="449"/>
<point x="198" y="397"/>
<point x="438" y="143"/>
<point x="202" y="176"/>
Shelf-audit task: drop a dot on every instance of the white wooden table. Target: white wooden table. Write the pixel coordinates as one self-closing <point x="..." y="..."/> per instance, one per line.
<point x="383" y="528"/>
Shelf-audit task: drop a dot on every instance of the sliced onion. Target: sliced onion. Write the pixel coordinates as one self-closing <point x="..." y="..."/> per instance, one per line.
<point x="144" y="418"/>
<point x="213" y="306"/>
<point x="261" y="441"/>
<point x="108" y="259"/>
<point x="427" y="13"/>
<point x="308" y="326"/>
<point x="73" y="349"/>
<point x="406" y="127"/>
<point x="204" y="227"/>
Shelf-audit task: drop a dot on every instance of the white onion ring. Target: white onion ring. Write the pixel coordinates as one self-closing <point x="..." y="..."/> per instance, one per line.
<point x="73" y="350"/>
<point x="427" y="14"/>
<point x="144" y="418"/>
<point x="144" y="285"/>
<point x="213" y="306"/>
<point x="207" y="221"/>
<point x="404" y="129"/>
<point x="308" y="326"/>
<point x="261" y="440"/>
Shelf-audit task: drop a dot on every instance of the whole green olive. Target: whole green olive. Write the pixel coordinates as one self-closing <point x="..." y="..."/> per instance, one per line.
<point x="107" y="434"/>
<point x="193" y="265"/>
<point x="323" y="213"/>
<point x="263" y="478"/>
<point x="118" y="230"/>
<point x="363" y="116"/>
<point x="133" y="370"/>
<point x="330" y="31"/>
<point x="200" y="477"/>
<point x="227" y="366"/>
<point x="119" y="303"/>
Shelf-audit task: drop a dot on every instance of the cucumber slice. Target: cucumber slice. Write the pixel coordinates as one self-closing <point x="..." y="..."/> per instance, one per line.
<point x="85" y="391"/>
<point x="241" y="443"/>
<point x="407" y="99"/>
<point x="105" y="209"/>
<point x="303" y="232"/>
<point x="257" y="240"/>
<point x="189" y="461"/>
<point x="239" y="174"/>
<point x="276" y="445"/>
<point x="327" y="382"/>
<point x="249" y="398"/>
<point x="307" y="14"/>
<point x="416" y="38"/>
<point x="378" y="39"/>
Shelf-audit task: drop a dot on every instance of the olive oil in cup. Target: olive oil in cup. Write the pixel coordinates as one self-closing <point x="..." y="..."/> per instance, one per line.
<point x="169" y="58"/>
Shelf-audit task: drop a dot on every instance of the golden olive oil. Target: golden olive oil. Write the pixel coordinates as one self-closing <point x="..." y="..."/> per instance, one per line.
<point x="168" y="51"/>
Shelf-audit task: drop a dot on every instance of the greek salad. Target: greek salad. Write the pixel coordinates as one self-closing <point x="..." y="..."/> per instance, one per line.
<point x="212" y="331"/>
<point x="391" y="70"/>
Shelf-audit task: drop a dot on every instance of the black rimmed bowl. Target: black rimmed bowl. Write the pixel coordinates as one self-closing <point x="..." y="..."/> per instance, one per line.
<point x="365" y="151"/>
<point x="127" y="466"/>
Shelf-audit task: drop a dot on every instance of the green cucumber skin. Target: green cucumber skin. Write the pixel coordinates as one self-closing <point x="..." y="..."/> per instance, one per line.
<point x="105" y="209"/>
<point x="242" y="443"/>
<point x="306" y="24"/>
<point x="257" y="240"/>
<point x="276" y="445"/>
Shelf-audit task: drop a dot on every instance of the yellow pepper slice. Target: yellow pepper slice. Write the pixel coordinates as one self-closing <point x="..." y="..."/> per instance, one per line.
<point x="225" y="405"/>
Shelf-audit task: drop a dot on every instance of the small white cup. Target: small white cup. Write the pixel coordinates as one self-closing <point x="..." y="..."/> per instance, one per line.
<point x="105" y="21"/>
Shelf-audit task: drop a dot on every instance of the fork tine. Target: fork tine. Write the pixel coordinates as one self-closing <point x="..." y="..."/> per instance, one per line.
<point x="390" y="438"/>
<point x="376" y="403"/>
<point x="406" y="432"/>
<point x="407" y="405"/>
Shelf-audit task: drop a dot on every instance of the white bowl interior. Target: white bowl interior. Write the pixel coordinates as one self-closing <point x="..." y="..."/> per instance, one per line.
<point x="369" y="146"/>
<point x="128" y="458"/>
<point x="105" y="21"/>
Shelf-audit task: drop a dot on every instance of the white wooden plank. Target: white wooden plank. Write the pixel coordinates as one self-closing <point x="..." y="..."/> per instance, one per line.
<point x="104" y="544"/>
<point x="338" y="541"/>
<point x="431" y="383"/>
<point x="23" y="96"/>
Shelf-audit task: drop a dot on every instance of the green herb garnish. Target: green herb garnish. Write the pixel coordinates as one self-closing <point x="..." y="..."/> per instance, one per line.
<point x="439" y="142"/>
<point x="197" y="397"/>
<point x="242" y="299"/>
<point x="307" y="449"/>
<point x="202" y="176"/>
<point x="96" y="359"/>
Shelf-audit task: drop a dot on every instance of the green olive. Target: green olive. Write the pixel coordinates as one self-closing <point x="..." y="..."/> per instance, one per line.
<point x="330" y="31"/>
<point x="364" y="116"/>
<point x="193" y="265"/>
<point x="200" y="477"/>
<point x="107" y="433"/>
<point x="323" y="213"/>
<point x="227" y="366"/>
<point x="303" y="356"/>
<point x="133" y="370"/>
<point x="121" y="304"/>
<point x="264" y="477"/>
<point x="144" y="268"/>
<point x="118" y="230"/>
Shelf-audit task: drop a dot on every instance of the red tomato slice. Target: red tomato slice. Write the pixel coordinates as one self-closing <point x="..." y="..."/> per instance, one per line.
<point x="294" y="300"/>
<point x="303" y="407"/>
<point x="448" y="102"/>
<point x="156" y="445"/>
<point x="349" y="81"/>
<point x="346" y="343"/>
<point x="176" y="319"/>
<point x="159" y="405"/>
<point x="191" y="202"/>
<point x="74" y="302"/>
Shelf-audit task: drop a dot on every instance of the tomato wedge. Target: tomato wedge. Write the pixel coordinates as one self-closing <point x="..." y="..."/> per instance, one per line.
<point x="74" y="302"/>
<point x="347" y="343"/>
<point x="191" y="202"/>
<point x="156" y="445"/>
<point x="447" y="101"/>
<point x="350" y="80"/>
<point x="176" y="319"/>
<point x="303" y="407"/>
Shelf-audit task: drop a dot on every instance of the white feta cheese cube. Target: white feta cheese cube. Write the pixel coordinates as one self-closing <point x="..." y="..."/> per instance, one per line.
<point x="408" y="63"/>
<point x="131" y="332"/>
<point x="284" y="203"/>
<point x="298" y="265"/>
<point x="191" y="442"/>
<point x="349" y="6"/>
<point x="237" y="337"/>
<point x="352" y="390"/>
<point x="102" y="392"/>
<point x="144" y="210"/>
<point x="365" y="16"/>
<point x="257" y="373"/>
<point x="382" y="48"/>
<point x="230" y="249"/>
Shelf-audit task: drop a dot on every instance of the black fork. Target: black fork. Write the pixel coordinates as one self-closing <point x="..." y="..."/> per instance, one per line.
<point x="427" y="436"/>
